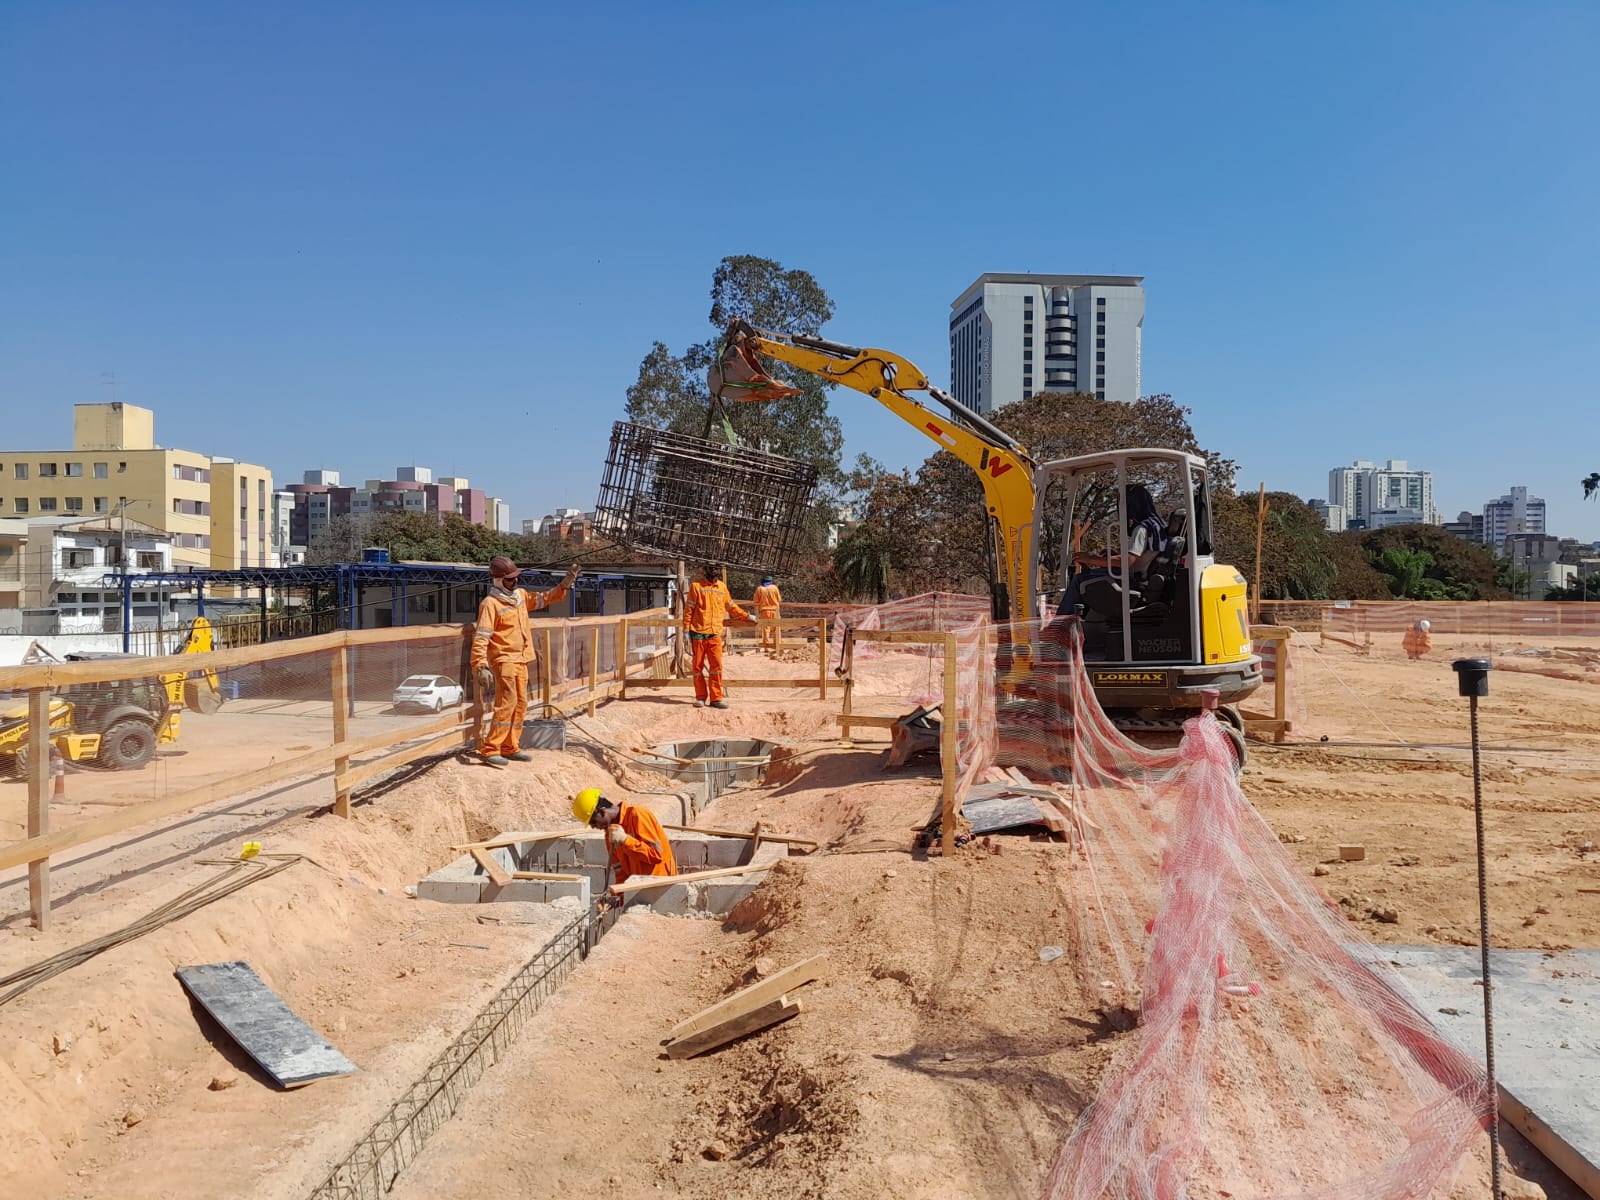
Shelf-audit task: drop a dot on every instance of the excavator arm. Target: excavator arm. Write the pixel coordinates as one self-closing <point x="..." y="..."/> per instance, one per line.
<point x="1002" y="464"/>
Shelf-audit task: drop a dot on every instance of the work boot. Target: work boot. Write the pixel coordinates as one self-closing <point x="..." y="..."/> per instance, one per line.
<point x="699" y="703"/>
<point x="520" y="756"/>
<point x="719" y="704"/>
<point x="495" y="760"/>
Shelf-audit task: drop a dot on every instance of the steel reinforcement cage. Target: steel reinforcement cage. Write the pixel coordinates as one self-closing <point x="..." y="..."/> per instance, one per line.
<point x="690" y="498"/>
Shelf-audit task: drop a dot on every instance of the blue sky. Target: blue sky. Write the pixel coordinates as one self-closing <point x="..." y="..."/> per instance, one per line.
<point x="365" y="235"/>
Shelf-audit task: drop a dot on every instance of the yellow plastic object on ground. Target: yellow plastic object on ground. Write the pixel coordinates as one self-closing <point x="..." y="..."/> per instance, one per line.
<point x="249" y="850"/>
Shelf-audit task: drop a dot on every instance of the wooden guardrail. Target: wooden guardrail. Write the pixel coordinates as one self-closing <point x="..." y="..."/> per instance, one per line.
<point x="440" y="735"/>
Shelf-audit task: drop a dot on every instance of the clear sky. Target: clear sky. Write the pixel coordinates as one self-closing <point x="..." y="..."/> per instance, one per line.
<point x="361" y="235"/>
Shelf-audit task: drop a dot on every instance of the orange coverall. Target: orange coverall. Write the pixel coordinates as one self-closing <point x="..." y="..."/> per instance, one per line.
<point x="504" y="642"/>
<point x="1417" y="642"/>
<point x="705" y="612"/>
<point x="646" y="850"/>
<point x="768" y="598"/>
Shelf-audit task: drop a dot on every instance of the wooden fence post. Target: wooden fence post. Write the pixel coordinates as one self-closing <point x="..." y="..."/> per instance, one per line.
<point x="1280" y="685"/>
<point x="822" y="657"/>
<point x="544" y="671"/>
<point x="947" y="748"/>
<point x="849" y="687"/>
<point x="39" y="802"/>
<point x="594" y="665"/>
<point x="622" y="659"/>
<point x="341" y="727"/>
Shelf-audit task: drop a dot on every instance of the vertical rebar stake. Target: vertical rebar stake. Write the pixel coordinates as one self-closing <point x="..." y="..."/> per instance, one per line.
<point x="1472" y="681"/>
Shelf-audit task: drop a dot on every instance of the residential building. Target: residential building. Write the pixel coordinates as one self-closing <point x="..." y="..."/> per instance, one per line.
<point x="1373" y="496"/>
<point x="66" y="571"/>
<point x="470" y="502"/>
<point x="499" y="515"/>
<point x="1467" y="526"/>
<point x="1538" y="556"/>
<point x="283" y="550"/>
<point x="114" y="467"/>
<point x="1333" y="515"/>
<point x="530" y="526"/>
<point x="1013" y="336"/>
<point x="568" y="524"/>
<point x="1514" y="513"/>
<point x="320" y="499"/>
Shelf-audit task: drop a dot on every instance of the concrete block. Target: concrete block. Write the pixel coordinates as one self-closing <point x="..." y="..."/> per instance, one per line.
<point x="451" y="891"/>
<point x="578" y="889"/>
<point x="725" y="852"/>
<point x="526" y="891"/>
<point x="718" y="896"/>
<point x="679" y="900"/>
<point x="770" y="852"/>
<point x="690" y="852"/>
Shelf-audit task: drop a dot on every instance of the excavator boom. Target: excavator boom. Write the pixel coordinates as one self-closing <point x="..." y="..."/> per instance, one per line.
<point x="1003" y="465"/>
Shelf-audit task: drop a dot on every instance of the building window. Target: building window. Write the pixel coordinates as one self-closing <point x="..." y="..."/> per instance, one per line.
<point x="1099" y="329"/>
<point x="74" y="503"/>
<point x="1027" y="341"/>
<point x="1100" y="301"/>
<point x="47" y="470"/>
<point x="1100" y="344"/>
<point x="1100" y="356"/>
<point x="121" y="467"/>
<point x="1099" y="395"/>
<point x="100" y="470"/>
<point x="79" y="558"/>
<point x="47" y="504"/>
<point x="149" y="561"/>
<point x="102" y="504"/>
<point x="74" y="470"/>
<point x="21" y="470"/>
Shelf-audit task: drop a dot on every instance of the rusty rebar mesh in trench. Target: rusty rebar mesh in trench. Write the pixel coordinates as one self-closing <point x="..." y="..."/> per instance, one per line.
<point x="687" y="497"/>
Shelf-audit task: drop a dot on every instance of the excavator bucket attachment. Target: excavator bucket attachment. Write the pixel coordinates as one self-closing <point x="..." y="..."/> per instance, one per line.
<point x="736" y="375"/>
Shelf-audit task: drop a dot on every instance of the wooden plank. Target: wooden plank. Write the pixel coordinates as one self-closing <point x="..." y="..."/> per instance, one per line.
<point x="496" y="873"/>
<point x="39" y="803"/>
<point x="822" y="658"/>
<point x="651" y="882"/>
<point x="769" y="1014"/>
<point x="796" y="682"/>
<point x="868" y="722"/>
<point x="761" y="992"/>
<point x="555" y="876"/>
<point x="908" y="636"/>
<point x="544" y="670"/>
<point x="359" y="775"/>
<point x="30" y="849"/>
<point x="340" y="671"/>
<point x="766" y="835"/>
<point x="947" y="748"/>
<point x="516" y="838"/>
<point x="262" y="1025"/>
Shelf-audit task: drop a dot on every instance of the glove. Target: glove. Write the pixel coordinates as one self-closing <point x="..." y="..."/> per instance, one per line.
<point x="572" y="573"/>
<point x="485" y="678"/>
<point x="616" y="834"/>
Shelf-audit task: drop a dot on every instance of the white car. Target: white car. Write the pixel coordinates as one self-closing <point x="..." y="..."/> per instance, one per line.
<point x="432" y="692"/>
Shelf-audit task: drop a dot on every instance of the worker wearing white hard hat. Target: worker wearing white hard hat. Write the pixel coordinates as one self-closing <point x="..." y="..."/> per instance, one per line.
<point x="1418" y="640"/>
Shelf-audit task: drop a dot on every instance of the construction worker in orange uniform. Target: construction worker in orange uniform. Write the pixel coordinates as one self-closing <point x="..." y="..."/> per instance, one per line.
<point x="768" y="599"/>
<point x="705" y="612"/>
<point x="502" y="648"/>
<point x="635" y="842"/>
<point x="1418" y="640"/>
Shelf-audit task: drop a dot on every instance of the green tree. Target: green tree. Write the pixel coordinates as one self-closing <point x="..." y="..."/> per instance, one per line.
<point x="1404" y="570"/>
<point x="1457" y="570"/>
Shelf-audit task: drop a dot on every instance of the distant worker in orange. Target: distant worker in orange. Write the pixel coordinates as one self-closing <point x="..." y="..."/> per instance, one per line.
<point x="768" y="600"/>
<point x="502" y="648"/>
<point x="705" y="612"/>
<point x="1418" y="640"/>
<point x="635" y="842"/>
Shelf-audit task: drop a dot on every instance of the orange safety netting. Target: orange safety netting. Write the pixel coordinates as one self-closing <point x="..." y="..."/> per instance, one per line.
<point x="1270" y="1056"/>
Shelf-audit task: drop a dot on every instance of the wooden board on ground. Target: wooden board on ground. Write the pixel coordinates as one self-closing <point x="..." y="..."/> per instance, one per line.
<point x="265" y="1028"/>
<point x="658" y="881"/>
<point x="760" y="993"/>
<point x="738" y="1026"/>
<point x="734" y="833"/>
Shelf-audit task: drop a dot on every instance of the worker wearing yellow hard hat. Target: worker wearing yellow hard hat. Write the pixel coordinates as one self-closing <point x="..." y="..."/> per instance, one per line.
<point x="635" y="841"/>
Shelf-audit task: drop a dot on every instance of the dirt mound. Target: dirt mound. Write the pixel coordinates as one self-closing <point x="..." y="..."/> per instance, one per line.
<point x="772" y="905"/>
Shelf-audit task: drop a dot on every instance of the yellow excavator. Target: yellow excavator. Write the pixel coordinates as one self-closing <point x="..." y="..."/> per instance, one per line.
<point x="1164" y="624"/>
<point x="118" y="724"/>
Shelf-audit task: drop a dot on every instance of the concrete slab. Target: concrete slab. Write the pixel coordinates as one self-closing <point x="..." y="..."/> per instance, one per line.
<point x="1547" y="1031"/>
<point x="451" y="891"/>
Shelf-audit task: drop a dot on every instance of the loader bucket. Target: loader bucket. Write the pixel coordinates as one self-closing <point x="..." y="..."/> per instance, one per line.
<point x="736" y="375"/>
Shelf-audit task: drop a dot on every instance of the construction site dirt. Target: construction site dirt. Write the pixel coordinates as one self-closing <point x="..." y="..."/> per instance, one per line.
<point x="940" y="1056"/>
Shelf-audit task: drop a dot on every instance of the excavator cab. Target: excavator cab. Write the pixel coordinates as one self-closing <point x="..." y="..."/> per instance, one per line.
<point x="1128" y="553"/>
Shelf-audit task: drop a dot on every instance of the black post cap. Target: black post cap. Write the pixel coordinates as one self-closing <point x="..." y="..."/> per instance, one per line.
<point x="1472" y="675"/>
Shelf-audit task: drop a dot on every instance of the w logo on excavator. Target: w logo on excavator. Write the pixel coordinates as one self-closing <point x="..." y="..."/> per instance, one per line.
<point x="998" y="468"/>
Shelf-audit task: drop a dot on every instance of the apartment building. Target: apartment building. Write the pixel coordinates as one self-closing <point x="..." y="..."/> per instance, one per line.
<point x="214" y="508"/>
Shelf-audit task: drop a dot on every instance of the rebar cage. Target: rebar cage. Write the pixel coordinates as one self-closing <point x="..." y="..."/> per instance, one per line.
<point x="687" y="497"/>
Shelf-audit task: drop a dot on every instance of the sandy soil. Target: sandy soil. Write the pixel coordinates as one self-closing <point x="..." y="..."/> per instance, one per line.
<point x="940" y="1058"/>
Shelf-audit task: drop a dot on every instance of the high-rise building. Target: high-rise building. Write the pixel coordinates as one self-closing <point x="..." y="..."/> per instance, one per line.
<point x="1515" y="513"/>
<point x="216" y="509"/>
<point x="1013" y="336"/>
<point x="1373" y="496"/>
<point x="1333" y="515"/>
<point x="320" y="499"/>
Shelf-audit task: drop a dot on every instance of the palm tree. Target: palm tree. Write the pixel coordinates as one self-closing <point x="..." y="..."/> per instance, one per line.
<point x="1404" y="569"/>
<point x="863" y="567"/>
<point x="1591" y="485"/>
